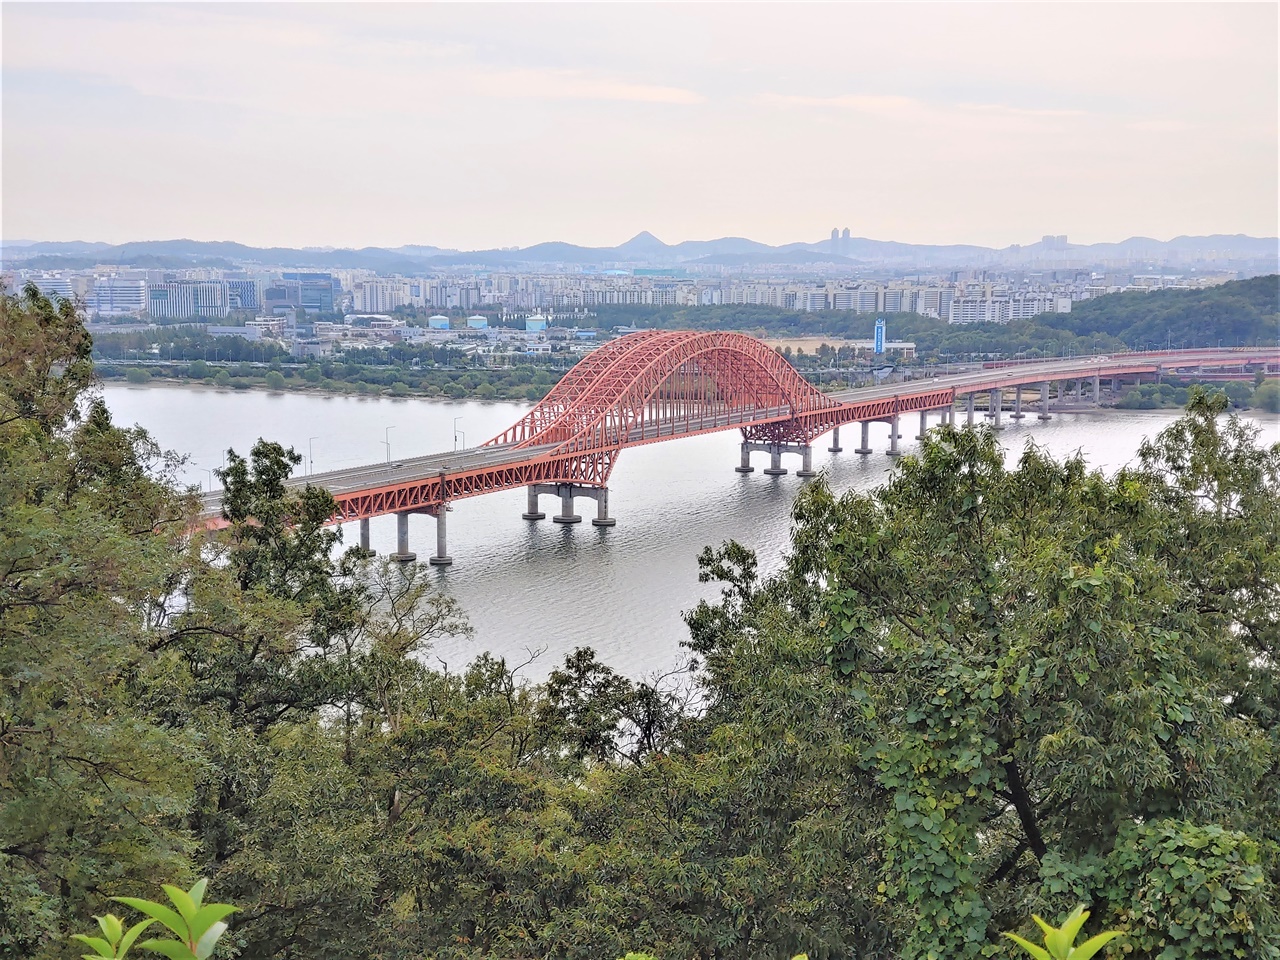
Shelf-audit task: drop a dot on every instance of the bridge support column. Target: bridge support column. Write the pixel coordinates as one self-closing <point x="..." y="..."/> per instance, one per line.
<point x="1060" y="391"/>
<point x="602" y="518"/>
<point x="806" y="463"/>
<point x="775" y="467"/>
<point x="1097" y="390"/>
<point x="533" y="513"/>
<point x="865" y="446"/>
<point x="893" y="450"/>
<point x="364" y="538"/>
<point x="835" y="441"/>
<point x="969" y="407"/>
<point x="1017" y="403"/>
<point x="1044" y="401"/>
<point x="442" y="558"/>
<point x="994" y="407"/>
<point x="746" y="466"/>
<point x="403" y="553"/>
<point x="566" y="514"/>
<point x="924" y="424"/>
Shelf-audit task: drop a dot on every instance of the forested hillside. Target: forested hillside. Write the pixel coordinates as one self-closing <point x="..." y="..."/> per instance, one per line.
<point x="980" y="692"/>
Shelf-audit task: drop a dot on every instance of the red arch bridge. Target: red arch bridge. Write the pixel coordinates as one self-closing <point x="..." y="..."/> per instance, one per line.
<point x="652" y="386"/>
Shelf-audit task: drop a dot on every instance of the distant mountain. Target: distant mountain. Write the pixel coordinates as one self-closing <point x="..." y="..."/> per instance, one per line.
<point x="644" y="249"/>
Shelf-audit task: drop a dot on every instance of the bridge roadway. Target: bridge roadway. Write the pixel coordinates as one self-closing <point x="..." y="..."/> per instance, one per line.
<point x="371" y="490"/>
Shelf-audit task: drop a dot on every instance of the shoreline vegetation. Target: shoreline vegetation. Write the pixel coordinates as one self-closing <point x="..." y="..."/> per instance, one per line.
<point x="521" y="384"/>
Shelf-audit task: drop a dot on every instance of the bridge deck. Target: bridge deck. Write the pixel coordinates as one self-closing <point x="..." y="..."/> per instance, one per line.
<point x="419" y="482"/>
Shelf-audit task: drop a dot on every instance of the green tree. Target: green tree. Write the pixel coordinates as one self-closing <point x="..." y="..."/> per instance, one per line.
<point x="138" y="375"/>
<point x="1035" y="659"/>
<point x="1267" y="396"/>
<point x="91" y="788"/>
<point x="275" y="380"/>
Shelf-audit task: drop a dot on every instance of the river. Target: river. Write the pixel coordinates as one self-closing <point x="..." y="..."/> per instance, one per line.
<point x="546" y="587"/>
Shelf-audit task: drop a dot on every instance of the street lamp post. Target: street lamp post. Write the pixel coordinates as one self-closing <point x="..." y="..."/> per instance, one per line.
<point x="457" y="433"/>
<point x="311" y="455"/>
<point x="387" y="441"/>
<point x="210" y="473"/>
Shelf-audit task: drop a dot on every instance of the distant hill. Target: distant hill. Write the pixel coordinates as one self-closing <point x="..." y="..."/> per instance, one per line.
<point x="645" y="249"/>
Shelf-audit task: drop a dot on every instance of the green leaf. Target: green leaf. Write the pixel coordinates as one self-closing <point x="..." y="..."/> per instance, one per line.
<point x="182" y="900"/>
<point x="112" y="929"/>
<point x="1040" y="953"/>
<point x="170" y="948"/>
<point x="206" y="917"/>
<point x="95" y="943"/>
<point x="197" y="891"/>
<point x="1091" y="946"/>
<point x="134" y="932"/>
<point x="204" y="948"/>
<point x="1071" y="926"/>
<point x="157" y="911"/>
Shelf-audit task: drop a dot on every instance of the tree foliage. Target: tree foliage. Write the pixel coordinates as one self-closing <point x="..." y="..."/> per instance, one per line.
<point x="984" y="691"/>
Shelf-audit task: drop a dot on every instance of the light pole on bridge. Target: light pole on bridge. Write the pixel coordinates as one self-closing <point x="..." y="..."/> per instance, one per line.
<point x="387" y="441"/>
<point x="458" y="433"/>
<point x="311" y="455"/>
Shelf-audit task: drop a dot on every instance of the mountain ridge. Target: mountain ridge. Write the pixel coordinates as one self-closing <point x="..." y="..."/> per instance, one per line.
<point x="644" y="248"/>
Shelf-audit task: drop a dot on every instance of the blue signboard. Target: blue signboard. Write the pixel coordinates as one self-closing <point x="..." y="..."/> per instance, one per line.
<point x="880" y="336"/>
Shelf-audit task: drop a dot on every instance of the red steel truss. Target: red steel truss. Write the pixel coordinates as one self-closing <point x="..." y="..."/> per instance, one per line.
<point x="659" y="385"/>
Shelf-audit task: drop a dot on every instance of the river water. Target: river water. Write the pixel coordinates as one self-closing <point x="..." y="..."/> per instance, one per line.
<point x="545" y="587"/>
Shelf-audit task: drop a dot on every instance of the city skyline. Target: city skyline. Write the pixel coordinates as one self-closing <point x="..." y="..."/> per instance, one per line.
<point x="495" y="126"/>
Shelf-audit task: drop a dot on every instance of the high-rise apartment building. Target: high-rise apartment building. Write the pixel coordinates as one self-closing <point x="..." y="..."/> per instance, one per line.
<point x="187" y="299"/>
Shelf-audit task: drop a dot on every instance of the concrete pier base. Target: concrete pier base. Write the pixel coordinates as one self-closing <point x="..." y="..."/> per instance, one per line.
<point x="775" y="467"/>
<point x="969" y="408"/>
<point x="566" y="514"/>
<point x="894" y="436"/>
<point x="602" y="518"/>
<point x="835" y="441"/>
<point x="403" y="553"/>
<point x="533" y="513"/>
<point x="441" y="557"/>
<point x="745" y="466"/>
<point x="806" y="463"/>
<point x="995" y="407"/>
<point x="924" y="424"/>
<point x="1017" y="404"/>
<point x="1044" y="402"/>
<point x="865" y="446"/>
<point x="364" y="538"/>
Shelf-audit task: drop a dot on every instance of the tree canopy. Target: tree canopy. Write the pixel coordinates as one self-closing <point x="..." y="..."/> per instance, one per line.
<point x="987" y="689"/>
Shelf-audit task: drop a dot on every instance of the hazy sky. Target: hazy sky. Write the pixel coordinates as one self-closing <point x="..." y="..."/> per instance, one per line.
<point x="486" y="125"/>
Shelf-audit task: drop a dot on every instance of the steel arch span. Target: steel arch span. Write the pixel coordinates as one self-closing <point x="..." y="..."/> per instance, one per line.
<point x="654" y="385"/>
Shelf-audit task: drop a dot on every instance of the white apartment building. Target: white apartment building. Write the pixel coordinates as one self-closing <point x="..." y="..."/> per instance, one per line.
<point x="186" y="299"/>
<point x="116" y="295"/>
<point x="380" y="296"/>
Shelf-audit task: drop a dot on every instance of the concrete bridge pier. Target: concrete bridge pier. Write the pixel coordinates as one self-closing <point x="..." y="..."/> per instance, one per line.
<point x="775" y="467"/>
<point x="566" y="514"/>
<point x="969" y="407"/>
<point x="533" y="513"/>
<point x="865" y="446"/>
<point x="364" y="538"/>
<point x="1044" y="401"/>
<point x="806" y="462"/>
<point x="924" y="424"/>
<point x="403" y="553"/>
<point x="835" y="441"/>
<point x="995" y="405"/>
<point x="602" y="518"/>
<point x="1060" y="391"/>
<point x="441" y="558"/>
<point x="1017" y="403"/>
<point x="1097" y="390"/>
<point x="746" y="466"/>
<point x="893" y="450"/>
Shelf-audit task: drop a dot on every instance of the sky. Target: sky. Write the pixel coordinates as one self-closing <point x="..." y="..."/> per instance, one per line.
<point x="483" y="125"/>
